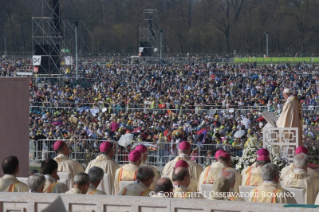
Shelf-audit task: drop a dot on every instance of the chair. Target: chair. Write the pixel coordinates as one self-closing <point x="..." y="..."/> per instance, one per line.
<point x="105" y="185"/>
<point x="23" y="180"/>
<point x="123" y="184"/>
<point x="65" y="181"/>
<point x="206" y="189"/>
<point x="299" y="194"/>
<point x="66" y="175"/>
<point x="245" y="191"/>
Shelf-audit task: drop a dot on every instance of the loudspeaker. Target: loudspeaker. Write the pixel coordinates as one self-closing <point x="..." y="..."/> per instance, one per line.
<point x="147" y="51"/>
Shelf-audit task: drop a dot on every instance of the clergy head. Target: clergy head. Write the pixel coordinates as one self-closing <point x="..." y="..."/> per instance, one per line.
<point x="218" y="152"/>
<point x="106" y="148"/>
<point x="270" y="172"/>
<point x="262" y="151"/>
<point x="301" y="161"/>
<point x="184" y="148"/>
<point x="164" y="186"/>
<point x="224" y="158"/>
<point x="221" y="185"/>
<point x="96" y="175"/>
<point x="262" y="160"/>
<point x="36" y="183"/>
<point x="181" y="177"/>
<point x="82" y="182"/>
<point x="10" y="165"/>
<point x="50" y="167"/>
<point x="145" y="175"/>
<point x="143" y="150"/>
<point x="229" y="175"/>
<point x="60" y="147"/>
<point x="181" y="163"/>
<point x="286" y="93"/>
<point x="301" y="149"/>
<point x="135" y="157"/>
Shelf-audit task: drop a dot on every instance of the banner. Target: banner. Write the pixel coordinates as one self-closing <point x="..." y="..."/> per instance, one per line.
<point x="36" y="60"/>
<point x="68" y="60"/>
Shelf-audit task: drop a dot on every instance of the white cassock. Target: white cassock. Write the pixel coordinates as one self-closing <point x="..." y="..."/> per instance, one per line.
<point x="52" y="186"/>
<point x="212" y="172"/>
<point x="127" y="172"/>
<point x="157" y="176"/>
<point x="135" y="189"/>
<point x="194" y="169"/>
<point x="66" y="165"/>
<point x="289" y="169"/>
<point x="299" y="178"/>
<point x="9" y="183"/>
<point x="184" y="193"/>
<point x="108" y="165"/>
<point x="270" y="192"/>
<point x="291" y="116"/>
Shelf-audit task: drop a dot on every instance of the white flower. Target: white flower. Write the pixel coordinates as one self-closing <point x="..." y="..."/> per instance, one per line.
<point x="252" y="160"/>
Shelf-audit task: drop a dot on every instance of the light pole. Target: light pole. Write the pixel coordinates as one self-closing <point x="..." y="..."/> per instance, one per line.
<point x="76" y="50"/>
<point x="5" y="44"/>
<point x="267" y="44"/>
<point x="161" y="43"/>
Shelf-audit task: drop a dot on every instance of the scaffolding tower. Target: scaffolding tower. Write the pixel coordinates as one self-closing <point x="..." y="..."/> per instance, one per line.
<point x="53" y="37"/>
<point x="149" y="34"/>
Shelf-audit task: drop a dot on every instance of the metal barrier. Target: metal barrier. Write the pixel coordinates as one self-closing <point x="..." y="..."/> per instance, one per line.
<point x="159" y="154"/>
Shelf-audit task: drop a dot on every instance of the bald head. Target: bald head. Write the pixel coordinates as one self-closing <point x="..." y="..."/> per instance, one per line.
<point x="229" y="175"/>
<point x="179" y="174"/>
<point x="301" y="161"/>
<point x="164" y="185"/>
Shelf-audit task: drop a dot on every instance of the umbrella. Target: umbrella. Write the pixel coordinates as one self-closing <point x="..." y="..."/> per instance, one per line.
<point x="260" y="118"/>
<point x="137" y="129"/>
<point x="57" y="123"/>
<point x="254" y="77"/>
<point x="239" y="134"/>
<point x="199" y="132"/>
<point x="126" y="139"/>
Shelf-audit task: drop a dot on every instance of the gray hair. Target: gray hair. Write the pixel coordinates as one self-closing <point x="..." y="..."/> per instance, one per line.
<point x="96" y="174"/>
<point x="301" y="160"/>
<point x="180" y="173"/>
<point x="229" y="175"/>
<point x="144" y="173"/>
<point x="81" y="179"/>
<point x="269" y="171"/>
<point x="36" y="182"/>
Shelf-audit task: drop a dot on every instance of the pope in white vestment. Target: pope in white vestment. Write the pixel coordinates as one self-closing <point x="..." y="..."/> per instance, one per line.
<point x="291" y="115"/>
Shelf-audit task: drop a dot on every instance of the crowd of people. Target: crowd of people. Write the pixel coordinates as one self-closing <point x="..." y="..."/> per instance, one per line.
<point x="200" y="103"/>
<point x="180" y="178"/>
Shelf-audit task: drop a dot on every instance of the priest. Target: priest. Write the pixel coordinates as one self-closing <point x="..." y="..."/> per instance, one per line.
<point x="104" y="161"/>
<point x="143" y="150"/>
<point x="184" y="151"/>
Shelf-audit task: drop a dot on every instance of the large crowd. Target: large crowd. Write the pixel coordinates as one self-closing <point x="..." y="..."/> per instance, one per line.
<point x="214" y="107"/>
<point x="199" y="103"/>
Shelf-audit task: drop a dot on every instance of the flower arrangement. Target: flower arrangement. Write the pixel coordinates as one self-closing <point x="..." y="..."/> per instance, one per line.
<point x="250" y="156"/>
<point x="247" y="159"/>
<point x="275" y="157"/>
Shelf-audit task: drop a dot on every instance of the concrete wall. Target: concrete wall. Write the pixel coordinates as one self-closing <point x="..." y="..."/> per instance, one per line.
<point x="14" y="121"/>
<point x="30" y="202"/>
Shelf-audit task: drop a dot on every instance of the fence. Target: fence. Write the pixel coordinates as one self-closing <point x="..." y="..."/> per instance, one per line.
<point x="159" y="154"/>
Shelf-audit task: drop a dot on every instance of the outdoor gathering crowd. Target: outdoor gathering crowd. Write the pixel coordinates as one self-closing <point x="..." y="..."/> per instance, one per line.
<point x="174" y="107"/>
<point x="180" y="178"/>
<point x="202" y="104"/>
